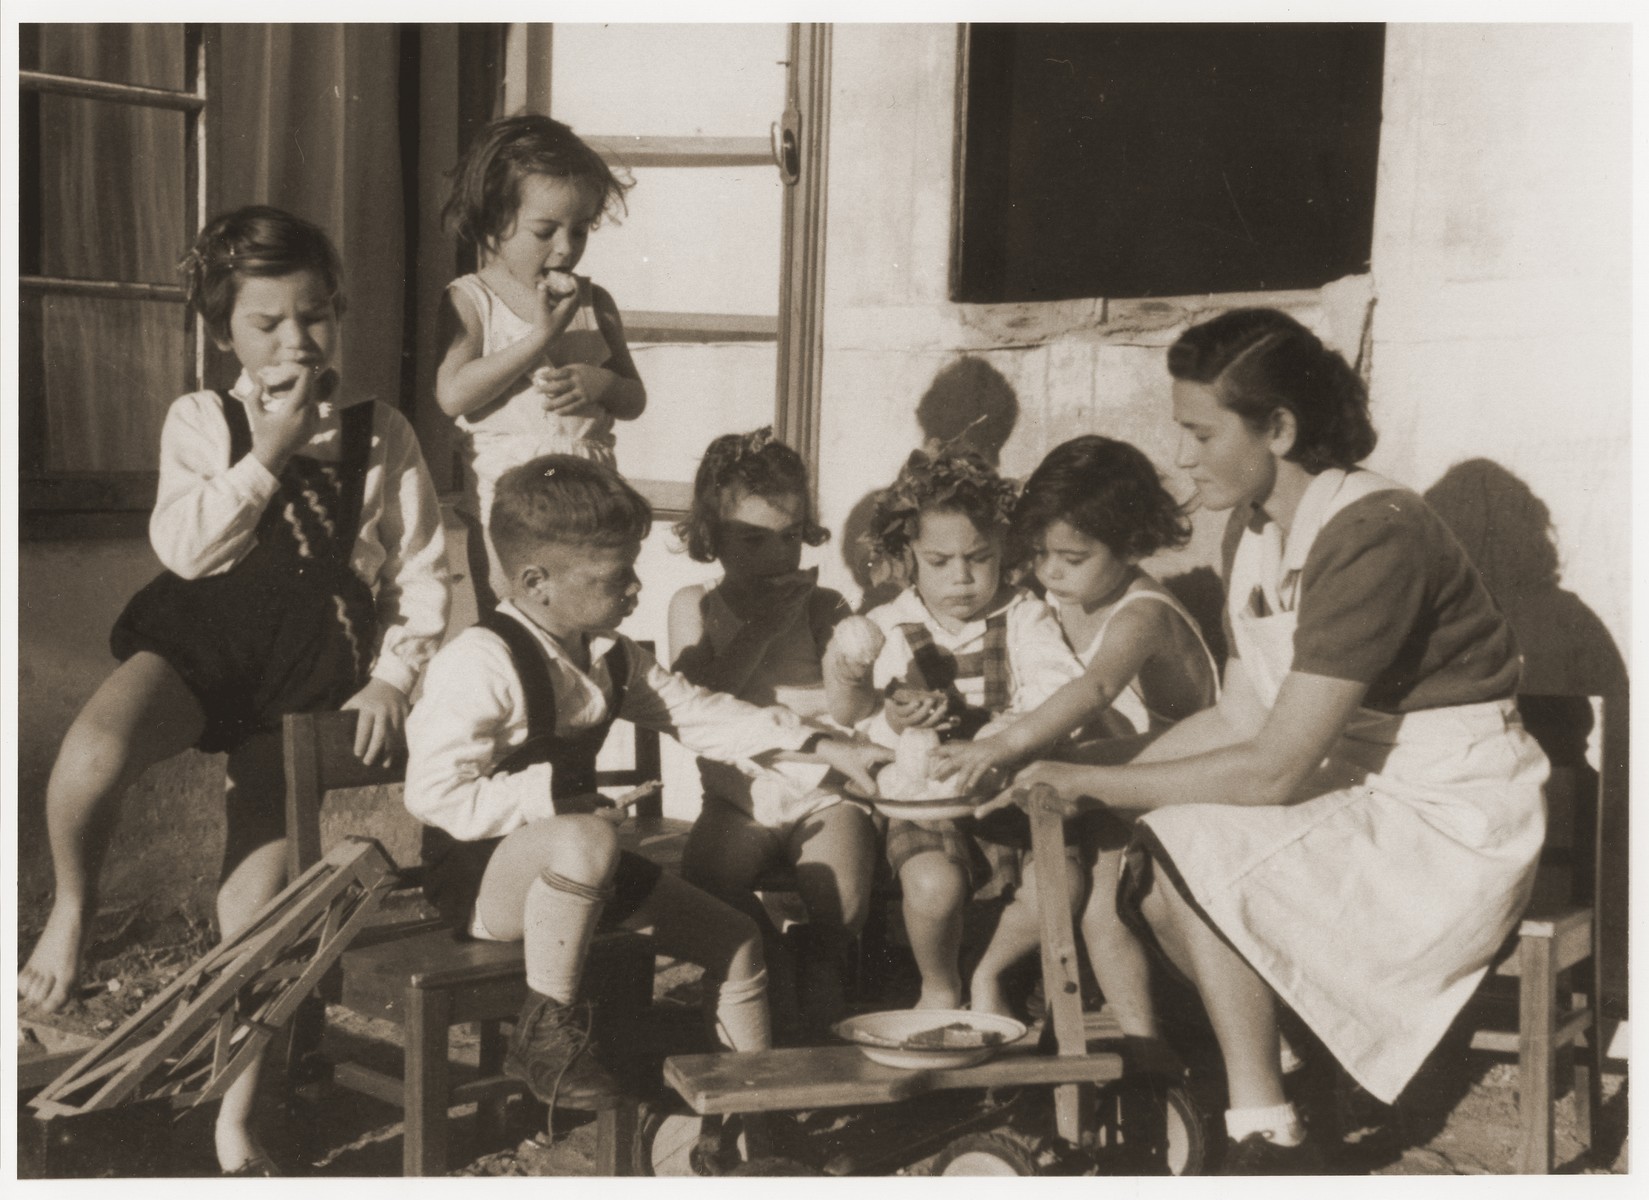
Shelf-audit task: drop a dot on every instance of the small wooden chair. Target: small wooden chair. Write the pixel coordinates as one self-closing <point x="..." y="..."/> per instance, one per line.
<point x="1555" y="952"/>
<point x="421" y="974"/>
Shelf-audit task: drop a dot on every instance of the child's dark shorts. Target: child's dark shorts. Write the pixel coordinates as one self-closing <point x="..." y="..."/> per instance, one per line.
<point x="992" y="852"/>
<point x="453" y="872"/>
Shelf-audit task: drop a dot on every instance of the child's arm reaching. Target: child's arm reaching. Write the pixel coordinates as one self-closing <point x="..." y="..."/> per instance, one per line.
<point x="577" y="389"/>
<point x="717" y="726"/>
<point x="467" y="379"/>
<point x="1132" y="638"/>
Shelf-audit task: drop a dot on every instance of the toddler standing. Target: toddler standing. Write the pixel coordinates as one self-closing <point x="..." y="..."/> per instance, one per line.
<point x="968" y="650"/>
<point x="535" y="361"/>
<point x="305" y="571"/>
<point x="1088" y="514"/>
<point x="760" y="633"/>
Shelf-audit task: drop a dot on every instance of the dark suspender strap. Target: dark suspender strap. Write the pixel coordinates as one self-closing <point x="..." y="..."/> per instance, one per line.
<point x="240" y="429"/>
<point x="998" y="686"/>
<point x="530" y="668"/>
<point x="356" y="422"/>
<point x="934" y="667"/>
<point x="617" y="659"/>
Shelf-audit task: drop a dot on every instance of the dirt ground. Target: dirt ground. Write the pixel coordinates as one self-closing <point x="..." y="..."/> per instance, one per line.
<point x="1459" y="1116"/>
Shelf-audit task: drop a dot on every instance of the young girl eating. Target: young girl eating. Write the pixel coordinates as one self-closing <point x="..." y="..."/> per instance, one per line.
<point x="760" y="633"/>
<point x="305" y="571"/>
<point x="959" y="650"/>
<point x="535" y="361"/>
<point x="1089" y="514"/>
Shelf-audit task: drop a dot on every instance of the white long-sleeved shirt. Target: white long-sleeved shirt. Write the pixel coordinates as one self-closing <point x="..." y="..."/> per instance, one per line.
<point x="207" y="511"/>
<point x="1039" y="661"/>
<point x="473" y="713"/>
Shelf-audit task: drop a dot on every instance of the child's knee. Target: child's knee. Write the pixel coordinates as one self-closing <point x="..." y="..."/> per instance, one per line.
<point x="932" y="884"/>
<point x="584" y="847"/>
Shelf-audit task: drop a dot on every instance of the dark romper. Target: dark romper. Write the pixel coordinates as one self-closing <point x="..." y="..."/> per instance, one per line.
<point x="291" y="627"/>
<point x="989" y="850"/>
<point x="453" y="868"/>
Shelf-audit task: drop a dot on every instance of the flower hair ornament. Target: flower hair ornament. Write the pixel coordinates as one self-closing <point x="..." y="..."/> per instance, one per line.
<point x="937" y="478"/>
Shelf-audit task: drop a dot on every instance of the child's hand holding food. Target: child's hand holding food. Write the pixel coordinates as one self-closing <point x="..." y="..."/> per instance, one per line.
<point x="854" y="647"/>
<point x="918" y="708"/>
<point x="557" y="302"/>
<point x="574" y="390"/>
<point x="285" y="407"/>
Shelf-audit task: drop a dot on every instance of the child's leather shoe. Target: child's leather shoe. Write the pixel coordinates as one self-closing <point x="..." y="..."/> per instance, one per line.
<point x="1257" y="1154"/>
<point x="552" y="1051"/>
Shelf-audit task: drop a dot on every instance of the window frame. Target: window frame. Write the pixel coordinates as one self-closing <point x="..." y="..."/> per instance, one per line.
<point x="60" y="504"/>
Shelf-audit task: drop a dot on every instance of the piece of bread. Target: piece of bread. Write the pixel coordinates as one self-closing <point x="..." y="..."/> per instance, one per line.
<point x="958" y="1035"/>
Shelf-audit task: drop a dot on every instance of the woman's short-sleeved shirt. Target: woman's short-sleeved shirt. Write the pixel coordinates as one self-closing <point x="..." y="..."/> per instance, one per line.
<point x="1388" y="597"/>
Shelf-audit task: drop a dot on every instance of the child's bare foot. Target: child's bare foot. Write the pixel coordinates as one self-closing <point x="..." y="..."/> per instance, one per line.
<point x="45" y="983"/>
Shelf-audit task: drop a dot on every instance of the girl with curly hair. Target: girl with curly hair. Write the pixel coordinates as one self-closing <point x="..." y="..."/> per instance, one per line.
<point x="1087" y="516"/>
<point x="759" y="633"/>
<point x="961" y="652"/>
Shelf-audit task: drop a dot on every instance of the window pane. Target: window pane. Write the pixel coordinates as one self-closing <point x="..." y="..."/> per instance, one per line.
<point x="695" y="393"/>
<point x="111" y="191"/>
<point x="147" y="55"/>
<point x="111" y="369"/>
<point x="704" y="80"/>
<point x="685" y="225"/>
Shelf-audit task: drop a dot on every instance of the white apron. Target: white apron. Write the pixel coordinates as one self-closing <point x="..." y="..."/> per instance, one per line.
<point x="1373" y="904"/>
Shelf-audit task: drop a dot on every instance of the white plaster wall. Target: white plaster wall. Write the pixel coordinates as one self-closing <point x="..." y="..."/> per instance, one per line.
<point x="1500" y="283"/>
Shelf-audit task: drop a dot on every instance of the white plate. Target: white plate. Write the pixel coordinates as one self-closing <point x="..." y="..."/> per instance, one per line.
<point x="952" y="809"/>
<point x="879" y="1036"/>
<point x="947" y="808"/>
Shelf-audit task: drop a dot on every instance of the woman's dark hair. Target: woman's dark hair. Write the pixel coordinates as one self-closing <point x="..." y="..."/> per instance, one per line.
<point x="1106" y="489"/>
<point x="257" y="240"/>
<point x="938" y="481"/>
<point x="486" y="183"/>
<point x="756" y="464"/>
<point x="1259" y="360"/>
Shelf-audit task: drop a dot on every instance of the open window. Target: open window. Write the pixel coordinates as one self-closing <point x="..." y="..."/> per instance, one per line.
<point x="1139" y="160"/>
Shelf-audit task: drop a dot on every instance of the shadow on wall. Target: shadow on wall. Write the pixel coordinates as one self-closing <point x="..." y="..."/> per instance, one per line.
<point x="1567" y="652"/>
<point x="969" y="405"/>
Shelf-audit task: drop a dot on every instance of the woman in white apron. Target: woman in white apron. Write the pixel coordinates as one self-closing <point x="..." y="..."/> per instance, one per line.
<point x="1354" y="826"/>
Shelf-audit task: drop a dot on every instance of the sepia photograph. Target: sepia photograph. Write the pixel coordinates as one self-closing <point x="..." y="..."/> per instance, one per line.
<point x="1046" y="592"/>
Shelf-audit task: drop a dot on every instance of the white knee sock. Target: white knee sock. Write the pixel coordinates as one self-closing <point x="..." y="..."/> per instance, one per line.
<point x="558" y="922"/>
<point x="741" y="1017"/>
<point x="1279" y="1123"/>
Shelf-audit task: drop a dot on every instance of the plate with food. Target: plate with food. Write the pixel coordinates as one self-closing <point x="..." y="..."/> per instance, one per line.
<point x="929" y="1038"/>
<point x="906" y="789"/>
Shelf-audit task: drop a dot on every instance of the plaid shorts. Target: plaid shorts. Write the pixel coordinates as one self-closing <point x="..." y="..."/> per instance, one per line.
<point x="992" y="852"/>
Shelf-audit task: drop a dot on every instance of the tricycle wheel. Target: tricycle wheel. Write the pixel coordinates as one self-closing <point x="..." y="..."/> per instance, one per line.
<point x="673" y="1143"/>
<point x="985" y="1154"/>
<point x="1150" y="1126"/>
